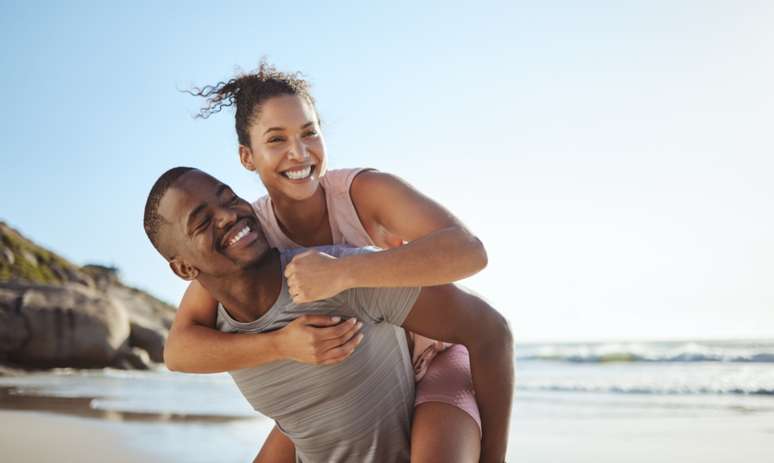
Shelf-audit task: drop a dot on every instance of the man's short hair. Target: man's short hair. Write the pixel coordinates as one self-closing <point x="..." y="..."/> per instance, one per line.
<point x="153" y="220"/>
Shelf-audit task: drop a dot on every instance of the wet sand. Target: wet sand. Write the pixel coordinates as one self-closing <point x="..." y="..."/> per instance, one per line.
<point x="36" y="428"/>
<point x="35" y="437"/>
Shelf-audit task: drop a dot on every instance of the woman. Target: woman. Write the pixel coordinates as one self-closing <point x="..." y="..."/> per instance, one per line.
<point x="280" y="139"/>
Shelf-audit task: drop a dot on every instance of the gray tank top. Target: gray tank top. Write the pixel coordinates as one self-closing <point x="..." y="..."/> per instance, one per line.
<point x="356" y="411"/>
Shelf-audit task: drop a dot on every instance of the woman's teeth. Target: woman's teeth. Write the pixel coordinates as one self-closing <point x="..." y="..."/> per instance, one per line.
<point x="242" y="233"/>
<point x="298" y="174"/>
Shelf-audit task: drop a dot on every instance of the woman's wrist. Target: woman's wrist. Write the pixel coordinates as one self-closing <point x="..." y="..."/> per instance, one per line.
<point x="344" y="272"/>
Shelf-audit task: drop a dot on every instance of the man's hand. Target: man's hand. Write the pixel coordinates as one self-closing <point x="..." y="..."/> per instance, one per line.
<point x="318" y="339"/>
<point x="313" y="276"/>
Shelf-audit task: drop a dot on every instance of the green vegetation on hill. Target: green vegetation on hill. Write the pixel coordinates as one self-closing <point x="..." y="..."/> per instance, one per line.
<point x="24" y="261"/>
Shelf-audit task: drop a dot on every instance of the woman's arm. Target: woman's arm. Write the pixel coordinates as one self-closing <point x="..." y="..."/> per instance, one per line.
<point x="195" y="346"/>
<point x="440" y="248"/>
<point x="469" y="320"/>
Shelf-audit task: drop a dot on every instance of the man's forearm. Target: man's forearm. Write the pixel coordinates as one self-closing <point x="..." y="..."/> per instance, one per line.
<point x="200" y="349"/>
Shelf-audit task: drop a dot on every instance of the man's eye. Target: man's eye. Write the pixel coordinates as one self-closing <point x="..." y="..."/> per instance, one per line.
<point x="234" y="200"/>
<point x="203" y="225"/>
<point x="275" y="140"/>
<point x="311" y="133"/>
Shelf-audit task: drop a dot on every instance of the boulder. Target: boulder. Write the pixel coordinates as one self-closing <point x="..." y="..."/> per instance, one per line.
<point x="64" y="326"/>
<point x="132" y="358"/>
<point x="150" y="319"/>
<point x="13" y="327"/>
<point x="54" y="313"/>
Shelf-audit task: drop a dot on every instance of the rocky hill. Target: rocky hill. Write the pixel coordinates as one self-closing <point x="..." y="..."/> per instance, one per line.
<point x="54" y="313"/>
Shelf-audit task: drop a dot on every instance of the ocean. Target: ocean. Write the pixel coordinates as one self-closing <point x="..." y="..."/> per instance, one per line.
<point x="186" y="417"/>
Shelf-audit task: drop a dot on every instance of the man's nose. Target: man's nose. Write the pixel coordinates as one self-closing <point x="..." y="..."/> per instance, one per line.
<point x="225" y="217"/>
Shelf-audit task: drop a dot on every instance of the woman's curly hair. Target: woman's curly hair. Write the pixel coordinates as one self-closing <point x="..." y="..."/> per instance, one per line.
<point x="248" y="91"/>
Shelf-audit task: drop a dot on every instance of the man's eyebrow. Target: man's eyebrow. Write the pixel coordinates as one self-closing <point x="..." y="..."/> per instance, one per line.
<point x="223" y="187"/>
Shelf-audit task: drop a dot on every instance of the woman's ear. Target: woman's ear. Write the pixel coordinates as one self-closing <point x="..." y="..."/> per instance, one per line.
<point x="246" y="157"/>
<point x="183" y="270"/>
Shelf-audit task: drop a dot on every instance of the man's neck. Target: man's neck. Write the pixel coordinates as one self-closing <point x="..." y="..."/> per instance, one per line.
<point x="250" y="293"/>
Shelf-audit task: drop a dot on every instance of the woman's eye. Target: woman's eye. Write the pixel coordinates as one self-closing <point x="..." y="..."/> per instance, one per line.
<point x="203" y="225"/>
<point x="311" y="133"/>
<point x="234" y="200"/>
<point x="275" y="140"/>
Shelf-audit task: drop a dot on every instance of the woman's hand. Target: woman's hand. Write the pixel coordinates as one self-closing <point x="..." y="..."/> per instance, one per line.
<point x="318" y="339"/>
<point x="313" y="276"/>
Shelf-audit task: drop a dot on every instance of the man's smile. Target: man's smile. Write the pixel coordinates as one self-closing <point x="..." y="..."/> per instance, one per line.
<point x="241" y="234"/>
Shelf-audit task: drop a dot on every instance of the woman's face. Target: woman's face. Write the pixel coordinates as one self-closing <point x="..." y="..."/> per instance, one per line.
<point x="287" y="148"/>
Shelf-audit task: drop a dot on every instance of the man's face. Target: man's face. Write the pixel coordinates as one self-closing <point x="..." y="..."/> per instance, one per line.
<point x="209" y="229"/>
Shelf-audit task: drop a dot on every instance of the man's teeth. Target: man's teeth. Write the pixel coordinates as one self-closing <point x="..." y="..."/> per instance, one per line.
<point x="242" y="233"/>
<point x="298" y="174"/>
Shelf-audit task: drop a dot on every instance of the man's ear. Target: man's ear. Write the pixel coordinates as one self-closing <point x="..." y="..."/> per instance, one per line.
<point x="183" y="270"/>
<point x="246" y="157"/>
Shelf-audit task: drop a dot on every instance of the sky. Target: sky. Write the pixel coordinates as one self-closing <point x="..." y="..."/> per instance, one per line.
<point x="615" y="158"/>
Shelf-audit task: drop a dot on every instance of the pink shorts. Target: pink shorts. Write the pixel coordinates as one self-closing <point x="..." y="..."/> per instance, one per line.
<point x="449" y="380"/>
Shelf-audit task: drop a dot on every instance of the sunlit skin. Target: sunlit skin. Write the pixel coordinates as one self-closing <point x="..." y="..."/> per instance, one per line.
<point x="284" y="135"/>
<point x="212" y="235"/>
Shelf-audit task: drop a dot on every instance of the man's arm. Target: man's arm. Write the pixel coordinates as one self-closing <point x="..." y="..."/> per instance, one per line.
<point x="451" y="314"/>
<point x="195" y="346"/>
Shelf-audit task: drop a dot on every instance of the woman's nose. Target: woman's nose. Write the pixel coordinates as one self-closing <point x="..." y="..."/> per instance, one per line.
<point x="298" y="151"/>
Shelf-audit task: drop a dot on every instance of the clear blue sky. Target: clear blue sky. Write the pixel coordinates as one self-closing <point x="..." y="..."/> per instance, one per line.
<point x="615" y="159"/>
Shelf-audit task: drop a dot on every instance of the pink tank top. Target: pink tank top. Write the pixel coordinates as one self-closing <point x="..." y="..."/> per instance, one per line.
<point x="346" y="228"/>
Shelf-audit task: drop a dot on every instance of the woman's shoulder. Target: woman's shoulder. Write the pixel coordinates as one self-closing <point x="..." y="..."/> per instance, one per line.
<point x="340" y="180"/>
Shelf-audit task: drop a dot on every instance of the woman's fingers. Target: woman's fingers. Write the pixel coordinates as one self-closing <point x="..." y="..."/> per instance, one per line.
<point x="339" y="331"/>
<point x="319" y="320"/>
<point x="339" y="341"/>
<point x="342" y="352"/>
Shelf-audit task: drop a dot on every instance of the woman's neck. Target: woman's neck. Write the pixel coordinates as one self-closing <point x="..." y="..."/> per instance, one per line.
<point x="304" y="221"/>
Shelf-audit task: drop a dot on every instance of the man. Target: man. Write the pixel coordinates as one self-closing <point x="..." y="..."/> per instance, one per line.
<point x="358" y="410"/>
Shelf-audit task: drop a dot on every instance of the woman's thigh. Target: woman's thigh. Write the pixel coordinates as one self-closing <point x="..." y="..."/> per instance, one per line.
<point x="276" y="449"/>
<point x="446" y="425"/>
<point x="445" y="434"/>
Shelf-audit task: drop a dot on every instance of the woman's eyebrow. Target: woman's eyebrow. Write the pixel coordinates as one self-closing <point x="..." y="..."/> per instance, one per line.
<point x="280" y="129"/>
<point x="270" y="129"/>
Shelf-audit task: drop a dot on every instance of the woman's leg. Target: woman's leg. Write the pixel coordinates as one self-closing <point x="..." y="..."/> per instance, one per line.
<point x="277" y="449"/>
<point x="446" y="425"/>
<point x="443" y="433"/>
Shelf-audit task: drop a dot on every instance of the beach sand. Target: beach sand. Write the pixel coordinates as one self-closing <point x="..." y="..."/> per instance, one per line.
<point x="36" y="437"/>
<point x="76" y="425"/>
<point x="642" y="440"/>
<point x="33" y="437"/>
